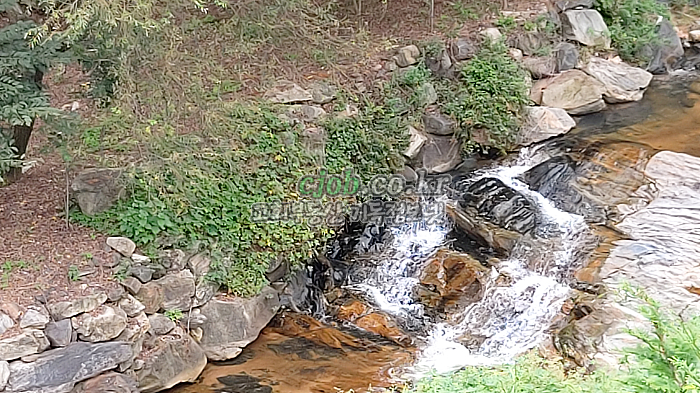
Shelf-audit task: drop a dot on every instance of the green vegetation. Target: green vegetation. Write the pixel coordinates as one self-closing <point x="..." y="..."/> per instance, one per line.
<point x="7" y="268"/>
<point x="492" y="93"/>
<point x="633" y="25"/>
<point x="73" y="273"/>
<point x="174" y="314"/>
<point x="666" y="361"/>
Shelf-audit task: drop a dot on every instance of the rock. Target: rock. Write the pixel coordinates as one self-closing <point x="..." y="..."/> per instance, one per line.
<point x="542" y="123"/>
<point x="417" y="139"/>
<point x="285" y="92"/>
<point x="665" y="52"/>
<point x="565" y="5"/>
<point x="178" y="290"/>
<point x="314" y="141"/>
<point x="131" y="306"/>
<point x="110" y="382"/>
<point x="426" y="94"/>
<point x="406" y="56"/>
<point x="322" y="92"/>
<point x="232" y="325"/>
<point x="12" y="309"/>
<point x="151" y="296"/>
<point x="573" y="90"/>
<point x="438" y="124"/>
<point x="107" y="323"/>
<point x="116" y="293"/>
<point x="623" y="83"/>
<point x="170" y="360"/>
<point x="25" y="343"/>
<point x="132" y="285"/>
<point x="516" y="54"/>
<point x="160" y="324"/>
<point x="441" y="65"/>
<point x="34" y="317"/>
<point x="350" y="111"/>
<point x="532" y="43"/>
<point x="492" y="34"/>
<point x="199" y="264"/>
<point x="203" y="292"/>
<point x="567" y="56"/>
<point x="97" y="189"/>
<point x="5" y="323"/>
<point x="694" y="36"/>
<point x="142" y="273"/>
<point x="194" y="319"/>
<point x="59" y="369"/>
<point x="540" y="67"/>
<point x="134" y="334"/>
<point x="173" y="260"/>
<point x="122" y="245"/>
<point x="63" y="310"/>
<point x="4" y="374"/>
<point x="463" y="49"/>
<point x="311" y="113"/>
<point x="409" y="174"/>
<point x="59" y="333"/>
<point x="440" y="154"/>
<point x="456" y="280"/>
<point x="381" y="325"/>
<point x="586" y="27"/>
<point x="140" y="259"/>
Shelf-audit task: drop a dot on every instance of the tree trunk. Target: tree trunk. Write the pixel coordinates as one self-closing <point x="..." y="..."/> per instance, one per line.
<point x="21" y="135"/>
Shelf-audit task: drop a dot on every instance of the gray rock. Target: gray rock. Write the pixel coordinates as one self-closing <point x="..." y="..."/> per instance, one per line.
<point x="567" y="56"/>
<point x="665" y="52"/>
<point x="59" y="333"/>
<point x="160" y="324"/>
<point x="151" y="296"/>
<point x="173" y="260"/>
<point x="439" y="154"/>
<point x="135" y="333"/>
<point x="110" y="382"/>
<point x="143" y="273"/>
<point x="586" y="27"/>
<point x="61" y="368"/>
<point x="178" y="290"/>
<point x="311" y="113"/>
<point x="116" y="293"/>
<point x="322" y="92"/>
<point x="63" y="310"/>
<point x="314" y="141"/>
<point x="426" y="94"/>
<point x="573" y="90"/>
<point x="463" y="49"/>
<point x="623" y="83"/>
<point x="204" y="291"/>
<point x="492" y="34"/>
<point x="406" y="56"/>
<point x="131" y="306"/>
<point x="4" y="374"/>
<point x="132" y="285"/>
<point x="199" y="264"/>
<point x="140" y="259"/>
<point x="231" y="325"/>
<point x="540" y="67"/>
<point x="97" y="189"/>
<point x="694" y="36"/>
<point x="417" y="140"/>
<point x="532" y="43"/>
<point x="35" y="318"/>
<point x="409" y="174"/>
<point x="5" y="323"/>
<point x="285" y="92"/>
<point x="441" y="65"/>
<point x="25" y="343"/>
<point x="170" y="360"/>
<point x="565" y="5"/>
<point x="122" y="245"/>
<point x="438" y="124"/>
<point x="543" y="123"/>
<point x="108" y="323"/>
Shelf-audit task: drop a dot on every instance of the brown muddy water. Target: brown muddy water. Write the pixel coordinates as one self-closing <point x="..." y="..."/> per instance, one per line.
<point x="298" y="354"/>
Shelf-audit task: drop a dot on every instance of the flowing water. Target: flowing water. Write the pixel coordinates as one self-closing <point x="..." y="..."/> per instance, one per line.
<point x="521" y="293"/>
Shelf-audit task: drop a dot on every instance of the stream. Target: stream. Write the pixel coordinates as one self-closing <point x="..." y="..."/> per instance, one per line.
<point x="418" y="299"/>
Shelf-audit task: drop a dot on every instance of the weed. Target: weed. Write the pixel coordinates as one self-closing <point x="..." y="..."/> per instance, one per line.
<point x="174" y="314"/>
<point x="87" y="256"/>
<point x="507" y="23"/>
<point x="73" y="273"/>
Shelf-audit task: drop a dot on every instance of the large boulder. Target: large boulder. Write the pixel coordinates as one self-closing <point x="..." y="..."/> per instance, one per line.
<point x="623" y="83"/>
<point x="58" y="370"/>
<point x="233" y="324"/>
<point x="542" y="123"/>
<point x="67" y="309"/>
<point x="586" y="27"/>
<point x="170" y="360"/>
<point x="452" y="280"/>
<point x="28" y="342"/>
<point x="104" y="324"/>
<point x="178" y="290"/>
<point x="97" y="189"/>
<point x="665" y="52"/>
<point x="439" y="154"/>
<point x="574" y="91"/>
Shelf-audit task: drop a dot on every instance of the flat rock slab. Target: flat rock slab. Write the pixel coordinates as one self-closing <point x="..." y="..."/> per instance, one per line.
<point x="59" y="369"/>
<point x="286" y="92"/>
<point x="542" y="123"/>
<point x="574" y="91"/>
<point x="63" y="310"/>
<point x="623" y="83"/>
<point x="231" y="325"/>
<point x="29" y="342"/>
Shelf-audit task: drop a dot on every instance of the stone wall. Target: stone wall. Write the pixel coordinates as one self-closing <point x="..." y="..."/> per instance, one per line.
<point x="158" y="329"/>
